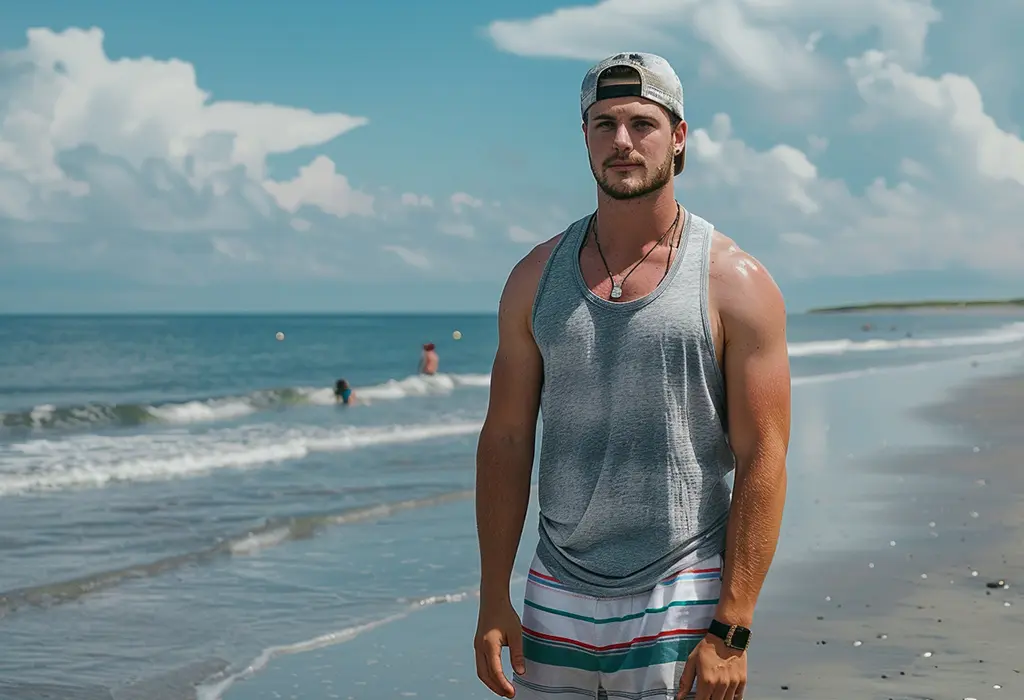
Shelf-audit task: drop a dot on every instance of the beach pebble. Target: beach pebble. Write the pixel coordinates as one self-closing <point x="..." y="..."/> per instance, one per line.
<point x="975" y="514"/>
<point x="892" y="543"/>
<point x="974" y="573"/>
<point x="927" y="654"/>
<point x="997" y="687"/>
<point x="883" y="636"/>
<point x="931" y="524"/>
<point x="924" y="575"/>
<point x="858" y="643"/>
<point x="871" y="565"/>
<point x="997" y="584"/>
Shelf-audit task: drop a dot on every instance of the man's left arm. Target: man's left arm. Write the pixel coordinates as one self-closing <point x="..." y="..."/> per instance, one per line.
<point x="757" y="378"/>
<point x="756" y="367"/>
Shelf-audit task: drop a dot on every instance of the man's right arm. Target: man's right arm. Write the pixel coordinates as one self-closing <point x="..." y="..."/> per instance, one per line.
<point x="505" y="450"/>
<point x="504" y="465"/>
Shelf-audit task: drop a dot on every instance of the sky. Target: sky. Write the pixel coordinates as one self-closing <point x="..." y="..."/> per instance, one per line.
<point x="395" y="156"/>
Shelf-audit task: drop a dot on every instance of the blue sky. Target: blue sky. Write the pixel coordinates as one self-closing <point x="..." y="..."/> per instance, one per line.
<point x="402" y="156"/>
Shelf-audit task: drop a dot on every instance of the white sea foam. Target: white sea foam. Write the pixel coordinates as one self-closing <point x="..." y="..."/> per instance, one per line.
<point x="84" y="461"/>
<point x="215" y="689"/>
<point x="226" y="408"/>
<point x="202" y="411"/>
<point x="1010" y="333"/>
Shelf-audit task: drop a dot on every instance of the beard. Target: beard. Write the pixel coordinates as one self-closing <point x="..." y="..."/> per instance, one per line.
<point x="652" y="181"/>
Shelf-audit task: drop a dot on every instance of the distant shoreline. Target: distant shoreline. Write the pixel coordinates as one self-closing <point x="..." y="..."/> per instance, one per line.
<point x="936" y="305"/>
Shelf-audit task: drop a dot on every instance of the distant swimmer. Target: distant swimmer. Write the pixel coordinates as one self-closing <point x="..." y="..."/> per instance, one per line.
<point x="429" y="361"/>
<point x="343" y="392"/>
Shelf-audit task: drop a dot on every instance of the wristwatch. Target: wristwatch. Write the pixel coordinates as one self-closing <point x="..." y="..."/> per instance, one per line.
<point x="734" y="636"/>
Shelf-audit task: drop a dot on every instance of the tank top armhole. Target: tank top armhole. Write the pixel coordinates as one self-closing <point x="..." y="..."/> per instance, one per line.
<point x="705" y="312"/>
<point x="569" y="232"/>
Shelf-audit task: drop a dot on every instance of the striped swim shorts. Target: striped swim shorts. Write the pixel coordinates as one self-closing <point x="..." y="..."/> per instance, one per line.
<point x="631" y="647"/>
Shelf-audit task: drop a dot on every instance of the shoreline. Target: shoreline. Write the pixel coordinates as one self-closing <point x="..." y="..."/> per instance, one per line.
<point x="938" y="306"/>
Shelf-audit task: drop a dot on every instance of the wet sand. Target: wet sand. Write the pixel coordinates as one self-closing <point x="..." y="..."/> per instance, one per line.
<point x="918" y="617"/>
<point x="911" y="616"/>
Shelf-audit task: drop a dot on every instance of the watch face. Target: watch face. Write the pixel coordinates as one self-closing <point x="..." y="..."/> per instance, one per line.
<point x="740" y="638"/>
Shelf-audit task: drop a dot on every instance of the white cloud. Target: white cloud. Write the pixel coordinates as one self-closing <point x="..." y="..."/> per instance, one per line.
<point x="234" y="249"/>
<point x="817" y="144"/>
<point x="139" y="140"/>
<point x="460" y="201"/>
<point x="414" y="258"/>
<point x="319" y="185"/>
<point x="796" y="238"/>
<point x="458" y="229"/>
<point x="961" y="203"/>
<point x="411" y="199"/>
<point x="950" y="105"/>
<point x="770" y="43"/>
<point x="518" y="234"/>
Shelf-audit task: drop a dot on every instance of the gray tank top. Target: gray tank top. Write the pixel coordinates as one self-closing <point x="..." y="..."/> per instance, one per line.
<point x="634" y="444"/>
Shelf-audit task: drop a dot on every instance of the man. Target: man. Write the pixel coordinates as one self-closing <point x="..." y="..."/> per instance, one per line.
<point x="429" y="360"/>
<point x="656" y="350"/>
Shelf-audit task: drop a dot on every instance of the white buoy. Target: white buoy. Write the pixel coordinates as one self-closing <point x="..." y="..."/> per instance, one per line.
<point x="457" y="335"/>
<point x="280" y="335"/>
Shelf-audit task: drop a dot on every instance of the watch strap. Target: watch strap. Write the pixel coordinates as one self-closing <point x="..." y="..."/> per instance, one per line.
<point x="734" y="636"/>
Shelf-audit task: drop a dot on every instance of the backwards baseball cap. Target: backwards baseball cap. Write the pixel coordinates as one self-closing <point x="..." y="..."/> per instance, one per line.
<point x="649" y="76"/>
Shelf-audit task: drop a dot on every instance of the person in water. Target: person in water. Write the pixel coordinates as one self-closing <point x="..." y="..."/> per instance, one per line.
<point x="343" y="392"/>
<point x="429" y="361"/>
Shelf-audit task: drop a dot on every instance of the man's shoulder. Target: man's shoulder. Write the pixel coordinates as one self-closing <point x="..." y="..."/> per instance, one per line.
<point x="740" y="286"/>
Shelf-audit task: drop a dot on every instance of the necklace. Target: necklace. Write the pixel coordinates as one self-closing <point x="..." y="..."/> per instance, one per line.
<point x="617" y="288"/>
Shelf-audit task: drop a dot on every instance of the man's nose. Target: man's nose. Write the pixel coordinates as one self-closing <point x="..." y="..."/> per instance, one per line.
<point x="622" y="140"/>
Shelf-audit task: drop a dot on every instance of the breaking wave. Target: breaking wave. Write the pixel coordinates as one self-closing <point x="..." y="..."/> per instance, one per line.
<point x="92" y="415"/>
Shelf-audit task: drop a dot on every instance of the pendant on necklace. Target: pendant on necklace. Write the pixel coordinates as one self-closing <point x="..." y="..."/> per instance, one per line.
<point x="616" y="291"/>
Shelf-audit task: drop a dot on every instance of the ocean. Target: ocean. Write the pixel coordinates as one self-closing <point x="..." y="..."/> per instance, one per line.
<point x="182" y="502"/>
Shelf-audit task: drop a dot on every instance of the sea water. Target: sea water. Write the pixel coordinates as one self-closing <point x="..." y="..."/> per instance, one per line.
<point x="182" y="500"/>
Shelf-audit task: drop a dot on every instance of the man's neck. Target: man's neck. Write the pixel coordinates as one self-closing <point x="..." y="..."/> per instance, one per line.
<point x="631" y="224"/>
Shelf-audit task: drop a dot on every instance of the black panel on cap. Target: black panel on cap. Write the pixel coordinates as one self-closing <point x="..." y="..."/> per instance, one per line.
<point x="607" y="92"/>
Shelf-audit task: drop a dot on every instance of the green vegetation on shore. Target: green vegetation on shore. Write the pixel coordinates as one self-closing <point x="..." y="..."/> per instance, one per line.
<point x="933" y="305"/>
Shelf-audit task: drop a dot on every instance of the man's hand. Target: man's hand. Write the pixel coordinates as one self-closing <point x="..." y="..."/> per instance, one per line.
<point x="720" y="672"/>
<point x="498" y="625"/>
